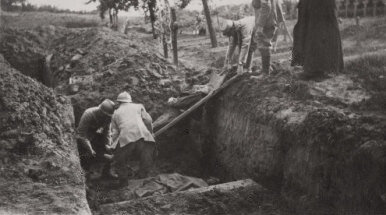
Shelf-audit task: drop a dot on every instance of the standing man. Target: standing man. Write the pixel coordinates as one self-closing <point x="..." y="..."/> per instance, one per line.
<point x="268" y="16"/>
<point x="93" y="135"/>
<point x="317" y="43"/>
<point x="132" y="132"/>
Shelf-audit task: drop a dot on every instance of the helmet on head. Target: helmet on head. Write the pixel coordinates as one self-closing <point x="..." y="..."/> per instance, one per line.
<point x="124" y="97"/>
<point x="107" y="107"/>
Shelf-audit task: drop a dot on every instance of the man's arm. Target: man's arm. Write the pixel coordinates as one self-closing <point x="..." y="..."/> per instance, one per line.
<point x="114" y="131"/>
<point x="147" y="120"/>
<point x="82" y="132"/>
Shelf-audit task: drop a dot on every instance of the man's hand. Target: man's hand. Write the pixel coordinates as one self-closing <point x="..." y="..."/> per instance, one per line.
<point x="227" y="66"/>
<point x="90" y="149"/>
<point x="92" y="152"/>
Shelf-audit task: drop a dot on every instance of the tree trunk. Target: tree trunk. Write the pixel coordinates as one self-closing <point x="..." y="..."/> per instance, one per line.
<point x="174" y="32"/>
<point x="152" y="19"/>
<point x="209" y="22"/>
<point x="165" y="46"/>
<point x="111" y="18"/>
<point x="218" y="23"/>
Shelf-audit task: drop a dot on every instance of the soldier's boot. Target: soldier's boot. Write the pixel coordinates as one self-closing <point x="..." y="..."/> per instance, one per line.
<point x="265" y="61"/>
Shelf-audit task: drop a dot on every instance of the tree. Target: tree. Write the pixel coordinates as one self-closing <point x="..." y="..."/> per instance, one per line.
<point x="167" y="16"/>
<point x="150" y="9"/>
<point x="113" y="7"/>
<point x="209" y="23"/>
<point x="7" y="5"/>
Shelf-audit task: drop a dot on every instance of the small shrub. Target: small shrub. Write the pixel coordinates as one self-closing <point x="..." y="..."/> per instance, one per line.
<point x="82" y="24"/>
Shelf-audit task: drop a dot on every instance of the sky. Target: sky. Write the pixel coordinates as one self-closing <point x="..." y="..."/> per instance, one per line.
<point x="79" y="5"/>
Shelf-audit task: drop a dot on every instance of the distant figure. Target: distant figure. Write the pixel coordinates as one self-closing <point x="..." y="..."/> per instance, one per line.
<point x="93" y="135"/>
<point x="268" y="16"/>
<point x="240" y="34"/>
<point x="200" y="28"/>
<point x="317" y="43"/>
<point x="132" y="133"/>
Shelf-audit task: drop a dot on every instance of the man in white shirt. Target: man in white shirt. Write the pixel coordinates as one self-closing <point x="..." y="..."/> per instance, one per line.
<point x="132" y="132"/>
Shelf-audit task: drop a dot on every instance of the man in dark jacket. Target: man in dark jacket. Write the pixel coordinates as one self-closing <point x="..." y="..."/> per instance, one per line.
<point x="93" y="135"/>
<point x="317" y="43"/>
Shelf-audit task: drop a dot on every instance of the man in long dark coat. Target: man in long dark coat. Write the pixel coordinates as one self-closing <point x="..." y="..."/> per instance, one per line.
<point x="317" y="42"/>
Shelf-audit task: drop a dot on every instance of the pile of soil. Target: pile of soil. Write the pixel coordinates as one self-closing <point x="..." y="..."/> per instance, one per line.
<point x="40" y="170"/>
<point x="109" y="62"/>
<point x="321" y="144"/>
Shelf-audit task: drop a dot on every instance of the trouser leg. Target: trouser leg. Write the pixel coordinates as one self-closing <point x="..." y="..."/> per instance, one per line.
<point x="265" y="60"/>
<point x="121" y="158"/>
<point x="147" y="154"/>
<point x="264" y="44"/>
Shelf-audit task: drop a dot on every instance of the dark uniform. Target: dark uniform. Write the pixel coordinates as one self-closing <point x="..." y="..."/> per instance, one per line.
<point x="95" y="129"/>
<point x="317" y="42"/>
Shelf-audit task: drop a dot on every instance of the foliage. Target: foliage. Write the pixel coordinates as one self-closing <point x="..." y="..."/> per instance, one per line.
<point x="9" y="5"/>
<point x="21" y="5"/>
<point x="116" y="5"/>
<point x="234" y="12"/>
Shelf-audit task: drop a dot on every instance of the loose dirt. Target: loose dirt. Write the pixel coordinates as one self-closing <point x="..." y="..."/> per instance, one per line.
<point x="40" y="170"/>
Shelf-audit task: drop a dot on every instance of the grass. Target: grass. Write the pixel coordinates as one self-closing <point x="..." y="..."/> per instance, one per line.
<point x="34" y="19"/>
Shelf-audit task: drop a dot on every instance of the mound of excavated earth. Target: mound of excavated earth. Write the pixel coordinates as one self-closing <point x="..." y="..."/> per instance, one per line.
<point x="321" y="144"/>
<point x="100" y="62"/>
<point x="39" y="166"/>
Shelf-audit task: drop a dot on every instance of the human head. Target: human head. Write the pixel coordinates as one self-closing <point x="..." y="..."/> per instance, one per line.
<point x="107" y="107"/>
<point x="228" y="28"/>
<point x="124" y="97"/>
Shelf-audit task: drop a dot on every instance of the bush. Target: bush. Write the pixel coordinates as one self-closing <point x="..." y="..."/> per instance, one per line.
<point x="82" y="24"/>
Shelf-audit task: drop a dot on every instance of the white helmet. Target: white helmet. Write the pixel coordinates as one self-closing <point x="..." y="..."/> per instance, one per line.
<point x="124" y="97"/>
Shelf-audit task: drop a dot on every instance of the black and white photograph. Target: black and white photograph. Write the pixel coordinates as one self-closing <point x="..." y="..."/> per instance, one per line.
<point x="193" y="107"/>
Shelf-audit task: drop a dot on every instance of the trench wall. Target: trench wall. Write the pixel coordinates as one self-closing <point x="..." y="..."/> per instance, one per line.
<point x="40" y="170"/>
<point x="314" y="155"/>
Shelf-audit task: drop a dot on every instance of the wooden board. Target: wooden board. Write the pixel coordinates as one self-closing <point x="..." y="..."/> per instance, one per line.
<point x="215" y="82"/>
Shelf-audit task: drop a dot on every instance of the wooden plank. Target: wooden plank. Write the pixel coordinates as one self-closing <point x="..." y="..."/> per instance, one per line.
<point x="198" y="104"/>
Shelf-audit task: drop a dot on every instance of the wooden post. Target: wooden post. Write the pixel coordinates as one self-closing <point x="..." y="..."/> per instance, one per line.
<point x="152" y="16"/>
<point x="209" y="23"/>
<point x="384" y="7"/>
<point x="346" y="3"/>
<point x="165" y="46"/>
<point x="365" y="3"/>
<point x="174" y="31"/>
<point x="375" y="7"/>
<point x="355" y="8"/>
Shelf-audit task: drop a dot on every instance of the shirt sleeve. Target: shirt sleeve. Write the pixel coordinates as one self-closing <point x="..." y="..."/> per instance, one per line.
<point x="114" y="131"/>
<point x="147" y="119"/>
<point x="84" y="124"/>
